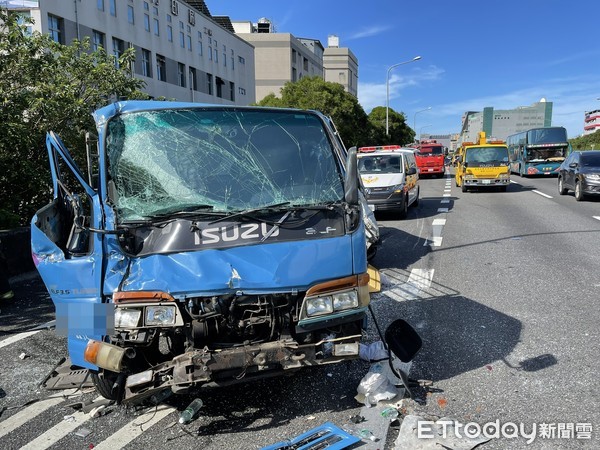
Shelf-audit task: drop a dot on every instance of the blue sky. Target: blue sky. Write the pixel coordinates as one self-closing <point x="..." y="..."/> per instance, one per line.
<point x="504" y="54"/>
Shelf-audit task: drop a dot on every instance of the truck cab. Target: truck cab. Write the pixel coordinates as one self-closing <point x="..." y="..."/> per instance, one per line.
<point x="484" y="164"/>
<point x="207" y="245"/>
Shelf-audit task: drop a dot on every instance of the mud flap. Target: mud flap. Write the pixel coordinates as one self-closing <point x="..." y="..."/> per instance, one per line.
<point x="326" y="436"/>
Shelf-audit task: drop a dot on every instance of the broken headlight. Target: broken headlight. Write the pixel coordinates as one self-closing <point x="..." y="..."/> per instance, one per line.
<point x="127" y="317"/>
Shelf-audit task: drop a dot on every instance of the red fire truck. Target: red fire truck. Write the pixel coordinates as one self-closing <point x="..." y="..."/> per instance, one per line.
<point x="430" y="157"/>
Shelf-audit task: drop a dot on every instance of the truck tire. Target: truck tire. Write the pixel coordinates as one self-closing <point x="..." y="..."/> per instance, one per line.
<point x="104" y="382"/>
<point x="463" y="186"/>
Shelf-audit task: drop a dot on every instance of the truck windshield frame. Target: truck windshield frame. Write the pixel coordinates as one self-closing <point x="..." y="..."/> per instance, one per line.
<point x="222" y="160"/>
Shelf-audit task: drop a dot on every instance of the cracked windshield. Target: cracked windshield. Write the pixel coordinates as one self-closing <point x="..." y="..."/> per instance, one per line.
<point x="163" y="162"/>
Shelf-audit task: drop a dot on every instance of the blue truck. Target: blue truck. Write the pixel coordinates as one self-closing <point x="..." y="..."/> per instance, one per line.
<point x="204" y="245"/>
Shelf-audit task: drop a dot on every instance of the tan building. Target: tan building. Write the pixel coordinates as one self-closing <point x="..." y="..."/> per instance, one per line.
<point x="340" y="65"/>
<point x="281" y="58"/>
<point x="182" y="52"/>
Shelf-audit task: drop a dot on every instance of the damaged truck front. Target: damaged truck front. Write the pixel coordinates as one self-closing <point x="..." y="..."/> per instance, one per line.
<point x="206" y="245"/>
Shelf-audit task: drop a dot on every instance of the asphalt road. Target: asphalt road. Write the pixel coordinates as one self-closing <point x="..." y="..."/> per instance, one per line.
<point x="502" y="287"/>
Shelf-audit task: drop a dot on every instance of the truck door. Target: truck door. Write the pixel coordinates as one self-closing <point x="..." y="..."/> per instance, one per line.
<point x="68" y="256"/>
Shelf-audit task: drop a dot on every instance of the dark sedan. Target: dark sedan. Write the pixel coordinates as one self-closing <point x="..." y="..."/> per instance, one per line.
<point x="580" y="172"/>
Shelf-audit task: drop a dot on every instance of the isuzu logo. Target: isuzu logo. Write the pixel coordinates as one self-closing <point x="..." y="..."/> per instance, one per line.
<point x="231" y="233"/>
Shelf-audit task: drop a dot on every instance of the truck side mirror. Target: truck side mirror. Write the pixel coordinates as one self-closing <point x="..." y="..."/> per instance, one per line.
<point x="352" y="178"/>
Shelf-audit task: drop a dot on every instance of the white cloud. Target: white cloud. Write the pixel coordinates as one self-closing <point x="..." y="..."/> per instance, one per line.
<point x="368" y="32"/>
<point x="374" y="94"/>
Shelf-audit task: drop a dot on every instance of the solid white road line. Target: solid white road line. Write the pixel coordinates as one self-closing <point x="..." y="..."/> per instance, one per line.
<point x="17" y="337"/>
<point x="439" y="222"/>
<point x="135" y="428"/>
<point x="442" y="210"/>
<point x="447" y="195"/>
<point x="542" y="194"/>
<point x="596" y="217"/>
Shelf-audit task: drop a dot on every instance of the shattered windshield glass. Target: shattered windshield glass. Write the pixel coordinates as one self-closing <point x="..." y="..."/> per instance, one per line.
<point x="218" y="160"/>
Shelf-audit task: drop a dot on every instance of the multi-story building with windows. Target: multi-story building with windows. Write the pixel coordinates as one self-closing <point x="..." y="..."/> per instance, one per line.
<point x="340" y="65"/>
<point x="182" y="53"/>
<point x="501" y="123"/>
<point x="591" y="122"/>
<point x="282" y="57"/>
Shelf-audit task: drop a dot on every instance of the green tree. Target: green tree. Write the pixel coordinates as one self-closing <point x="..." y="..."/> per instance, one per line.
<point x="399" y="132"/>
<point x="587" y="142"/>
<point x="47" y="86"/>
<point x="332" y="100"/>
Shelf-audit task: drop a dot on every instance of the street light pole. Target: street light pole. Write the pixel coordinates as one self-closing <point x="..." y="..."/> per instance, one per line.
<point x="415" y="117"/>
<point x="421" y="130"/>
<point x="387" y="93"/>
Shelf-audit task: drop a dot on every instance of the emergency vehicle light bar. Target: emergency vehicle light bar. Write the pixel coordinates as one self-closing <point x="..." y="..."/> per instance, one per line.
<point x="379" y="148"/>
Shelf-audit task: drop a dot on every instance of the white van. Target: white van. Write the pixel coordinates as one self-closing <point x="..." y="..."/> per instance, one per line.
<point x="390" y="177"/>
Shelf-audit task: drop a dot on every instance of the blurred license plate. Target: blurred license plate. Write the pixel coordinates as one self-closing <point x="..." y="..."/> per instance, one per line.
<point x="429" y="170"/>
<point x="486" y="182"/>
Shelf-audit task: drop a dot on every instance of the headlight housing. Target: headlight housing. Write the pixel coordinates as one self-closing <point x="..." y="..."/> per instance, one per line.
<point x="339" y="301"/>
<point x="127" y="317"/>
<point x="397" y="189"/>
<point x="160" y="315"/>
<point x="591" y="176"/>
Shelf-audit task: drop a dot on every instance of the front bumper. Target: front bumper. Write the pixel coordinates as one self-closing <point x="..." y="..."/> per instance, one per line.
<point x="385" y="200"/>
<point x="229" y="366"/>
<point x="486" y="182"/>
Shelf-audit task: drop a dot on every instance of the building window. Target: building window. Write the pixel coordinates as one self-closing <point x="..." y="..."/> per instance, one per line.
<point x="169" y="18"/>
<point x="181" y="74"/>
<point x="100" y="5"/>
<point x="232" y="91"/>
<point x="210" y="53"/>
<point x="56" y="28"/>
<point x="293" y="56"/>
<point x="170" y="33"/>
<point x="189" y="42"/>
<point x="219" y="82"/>
<point x="146" y="65"/>
<point x="294" y="75"/>
<point x="181" y="26"/>
<point x="130" y="18"/>
<point x="216" y="55"/>
<point x="113" y="7"/>
<point x="155" y="10"/>
<point x="306" y="64"/>
<point x="209" y="88"/>
<point x="161" y="68"/>
<point x="181" y="39"/>
<point x="199" y="48"/>
<point x="241" y="60"/>
<point x="147" y="22"/>
<point x="193" y="79"/>
<point x="146" y="6"/>
<point x="97" y="40"/>
<point x="241" y="91"/>
<point x="118" y="50"/>
<point x="156" y="27"/>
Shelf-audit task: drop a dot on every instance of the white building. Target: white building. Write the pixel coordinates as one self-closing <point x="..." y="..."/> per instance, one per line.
<point x="591" y="122"/>
<point x="182" y="52"/>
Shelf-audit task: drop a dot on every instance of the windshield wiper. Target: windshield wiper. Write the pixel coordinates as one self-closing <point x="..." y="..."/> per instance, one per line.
<point x="249" y="212"/>
<point x="179" y="210"/>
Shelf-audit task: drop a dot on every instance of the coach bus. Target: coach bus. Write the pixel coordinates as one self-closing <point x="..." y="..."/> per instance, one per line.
<point x="539" y="151"/>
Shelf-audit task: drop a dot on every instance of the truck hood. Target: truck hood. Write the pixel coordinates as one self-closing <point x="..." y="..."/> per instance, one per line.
<point x="254" y="269"/>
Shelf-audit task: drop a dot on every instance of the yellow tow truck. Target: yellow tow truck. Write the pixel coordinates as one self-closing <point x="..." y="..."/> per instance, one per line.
<point x="482" y="164"/>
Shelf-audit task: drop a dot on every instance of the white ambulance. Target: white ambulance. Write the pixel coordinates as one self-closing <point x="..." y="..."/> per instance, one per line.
<point x="390" y="177"/>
